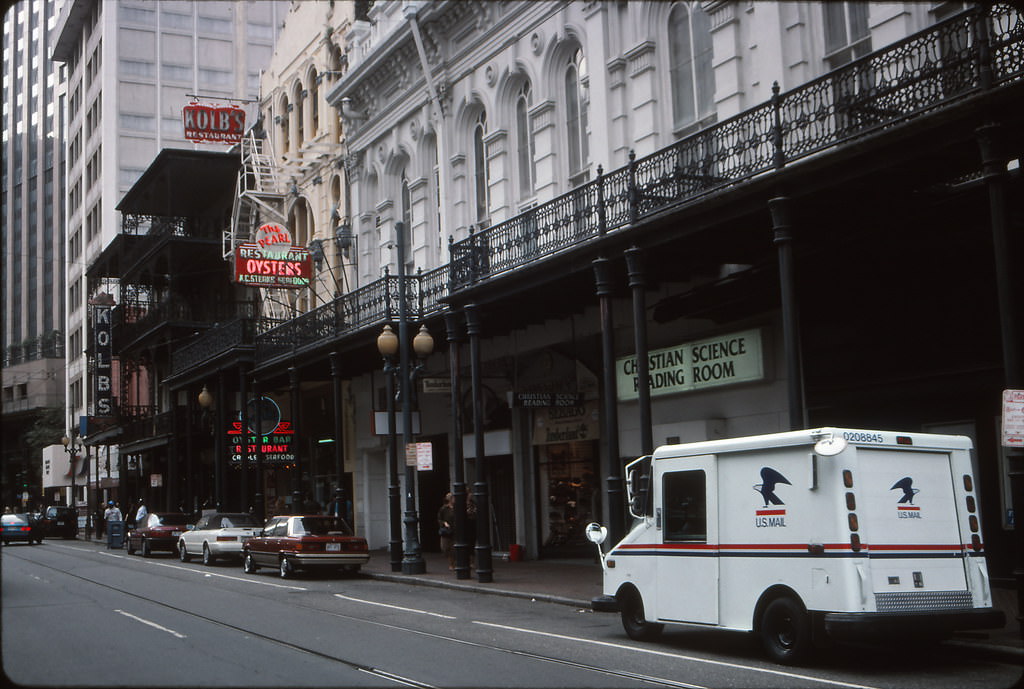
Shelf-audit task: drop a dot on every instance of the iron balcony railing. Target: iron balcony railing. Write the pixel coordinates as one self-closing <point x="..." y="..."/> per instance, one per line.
<point x="976" y="50"/>
<point x="239" y="332"/>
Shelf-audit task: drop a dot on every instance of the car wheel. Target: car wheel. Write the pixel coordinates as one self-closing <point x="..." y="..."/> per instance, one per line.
<point x="208" y="558"/>
<point x="249" y="564"/>
<point x="145" y="548"/>
<point x="286" y="569"/>
<point x="633" y="620"/>
<point x="182" y="552"/>
<point x="785" y="631"/>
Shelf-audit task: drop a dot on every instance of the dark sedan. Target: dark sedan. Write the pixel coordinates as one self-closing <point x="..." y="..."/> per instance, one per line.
<point x="60" y="520"/>
<point x="159" y="531"/>
<point x="20" y="527"/>
<point x="296" y="542"/>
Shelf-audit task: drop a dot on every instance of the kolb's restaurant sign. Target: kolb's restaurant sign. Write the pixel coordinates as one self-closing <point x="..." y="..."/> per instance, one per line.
<point x="733" y="358"/>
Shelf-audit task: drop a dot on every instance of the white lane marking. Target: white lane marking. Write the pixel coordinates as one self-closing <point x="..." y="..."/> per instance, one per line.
<point x="182" y="568"/>
<point x="666" y="654"/>
<point x="395" y="678"/>
<point x="395" y="607"/>
<point x="151" y="624"/>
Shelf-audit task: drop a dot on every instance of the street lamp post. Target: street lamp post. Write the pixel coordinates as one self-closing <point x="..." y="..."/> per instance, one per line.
<point x="423" y="345"/>
<point x="72" y="445"/>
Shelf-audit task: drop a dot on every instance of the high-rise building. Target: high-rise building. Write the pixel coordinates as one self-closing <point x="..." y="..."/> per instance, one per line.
<point x="131" y="68"/>
<point x="32" y="260"/>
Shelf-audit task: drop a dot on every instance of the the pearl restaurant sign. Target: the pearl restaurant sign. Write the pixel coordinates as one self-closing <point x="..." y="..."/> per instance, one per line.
<point x="272" y="261"/>
<point x="723" y="360"/>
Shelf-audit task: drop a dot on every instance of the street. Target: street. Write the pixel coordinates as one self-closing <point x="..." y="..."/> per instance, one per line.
<point x="75" y="613"/>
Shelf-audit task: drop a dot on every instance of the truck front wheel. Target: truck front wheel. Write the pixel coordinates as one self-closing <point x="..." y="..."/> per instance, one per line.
<point x="633" y="621"/>
<point x="786" y="631"/>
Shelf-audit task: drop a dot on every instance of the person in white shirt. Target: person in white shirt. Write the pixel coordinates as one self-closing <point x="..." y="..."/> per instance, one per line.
<point x="140" y="515"/>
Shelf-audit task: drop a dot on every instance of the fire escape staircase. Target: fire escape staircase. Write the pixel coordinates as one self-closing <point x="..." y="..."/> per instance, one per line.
<point x="259" y="198"/>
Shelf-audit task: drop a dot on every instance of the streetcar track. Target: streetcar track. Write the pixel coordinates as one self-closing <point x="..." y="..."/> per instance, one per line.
<point x="360" y="667"/>
<point x="384" y="674"/>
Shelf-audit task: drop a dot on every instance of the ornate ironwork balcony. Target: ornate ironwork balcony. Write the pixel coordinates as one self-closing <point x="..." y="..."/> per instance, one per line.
<point x="976" y="50"/>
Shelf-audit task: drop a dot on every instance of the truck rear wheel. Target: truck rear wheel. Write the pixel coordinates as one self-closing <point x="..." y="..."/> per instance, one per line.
<point x="786" y="631"/>
<point x="637" y="628"/>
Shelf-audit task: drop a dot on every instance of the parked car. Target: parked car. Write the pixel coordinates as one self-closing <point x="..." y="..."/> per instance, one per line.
<point x="20" y="527"/>
<point x="158" y="531"/>
<point x="297" y="542"/>
<point x="60" y="520"/>
<point x="217" y="535"/>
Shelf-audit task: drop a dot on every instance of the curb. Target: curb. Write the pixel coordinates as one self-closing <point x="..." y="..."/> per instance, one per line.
<point x="470" y="588"/>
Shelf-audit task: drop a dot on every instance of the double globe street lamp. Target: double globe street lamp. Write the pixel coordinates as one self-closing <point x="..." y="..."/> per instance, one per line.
<point x="73" y="445"/>
<point x="389" y="344"/>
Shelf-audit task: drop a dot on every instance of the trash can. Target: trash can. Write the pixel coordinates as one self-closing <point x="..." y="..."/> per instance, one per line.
<point x="515" y="553"/>
<point x="115" y="535"/>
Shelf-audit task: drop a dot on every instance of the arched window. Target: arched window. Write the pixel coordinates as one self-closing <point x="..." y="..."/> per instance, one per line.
<point x="524" y="143"/>
<point x="285" y="128"/>
<point x="406" y="211"/>
<point x="576" y="105"/>
<point x="690" y="70"/>
<point x="480" y="170"/>
<point x="314" y="104"/>
<point x="299" y="120"/>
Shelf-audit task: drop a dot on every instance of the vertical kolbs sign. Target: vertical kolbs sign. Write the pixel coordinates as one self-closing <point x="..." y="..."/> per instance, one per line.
<point x="103" y="378"/>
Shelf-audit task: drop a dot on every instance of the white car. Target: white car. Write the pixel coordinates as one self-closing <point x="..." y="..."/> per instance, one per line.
<point x="217" y="535"/>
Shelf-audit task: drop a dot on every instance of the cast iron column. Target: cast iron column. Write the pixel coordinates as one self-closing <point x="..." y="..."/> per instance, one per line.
<point x="258" y="497"/>
<point x="634" y="267"/>
<point x="994" y="169"/>
<point x="189" y="449"/>
<point x="484" y="573"/>
<point x="293" y="383"/>
<point x="219" y="444"/>
<point x="462" y="555"/>
<point x="782" y="227"/>
<point x="243" y="440"/>
<point x="610" y="431"/>
<point x="339" y="459"/>
<point x="394" y="489"/>
<point x="412" y="561"/>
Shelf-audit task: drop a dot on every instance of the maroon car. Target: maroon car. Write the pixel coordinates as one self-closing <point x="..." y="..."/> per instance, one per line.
<point x="159" y="531"/>
<point x="305" y="541"/>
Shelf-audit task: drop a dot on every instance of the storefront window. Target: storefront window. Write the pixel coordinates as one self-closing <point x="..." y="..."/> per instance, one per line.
<point x="569" y="498"/>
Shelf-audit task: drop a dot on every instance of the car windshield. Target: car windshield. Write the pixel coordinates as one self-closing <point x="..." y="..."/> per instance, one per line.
<point x="239" y="521"/>
<point x="14" y="519"/>
<point x="173" y="519"/>
<point x="322" y="526"/>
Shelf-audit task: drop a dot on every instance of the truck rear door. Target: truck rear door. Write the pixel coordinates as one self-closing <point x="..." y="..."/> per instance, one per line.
<point x="908" y="518"/>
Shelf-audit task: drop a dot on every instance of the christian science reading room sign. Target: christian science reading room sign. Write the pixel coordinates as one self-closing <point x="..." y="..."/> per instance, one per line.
<point x="733" y="358"/>
<point x="272" y="261"/>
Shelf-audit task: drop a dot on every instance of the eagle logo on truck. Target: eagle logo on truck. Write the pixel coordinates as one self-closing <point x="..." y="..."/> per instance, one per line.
<point x="905" y="507"/>
<point x="770" y="516"/>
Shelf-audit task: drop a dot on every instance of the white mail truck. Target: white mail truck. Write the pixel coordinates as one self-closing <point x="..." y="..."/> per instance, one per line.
<point x="803" y="536"/>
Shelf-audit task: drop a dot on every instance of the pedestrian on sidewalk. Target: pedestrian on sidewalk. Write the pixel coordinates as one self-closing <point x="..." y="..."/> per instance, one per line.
<point x="140" y="514"/>
<point x="446" y="528"/>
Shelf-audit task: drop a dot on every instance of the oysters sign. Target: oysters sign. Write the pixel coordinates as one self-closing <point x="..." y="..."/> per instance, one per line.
<point x="272" y="261"/>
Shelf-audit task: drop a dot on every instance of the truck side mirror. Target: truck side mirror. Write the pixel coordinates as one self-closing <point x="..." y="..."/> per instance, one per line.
<point x="596" y="533"/>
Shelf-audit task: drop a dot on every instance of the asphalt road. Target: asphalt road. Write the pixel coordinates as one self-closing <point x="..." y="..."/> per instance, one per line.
<point x="76" y="614"/>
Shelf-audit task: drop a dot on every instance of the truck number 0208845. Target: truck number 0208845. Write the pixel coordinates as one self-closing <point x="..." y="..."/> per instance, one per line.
<point x="863" y="437"/>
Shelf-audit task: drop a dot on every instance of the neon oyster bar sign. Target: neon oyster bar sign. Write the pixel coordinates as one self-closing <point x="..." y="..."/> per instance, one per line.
<point x="272" y="261"/>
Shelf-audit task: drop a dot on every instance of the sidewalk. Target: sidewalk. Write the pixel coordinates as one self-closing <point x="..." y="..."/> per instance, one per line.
<point x="576" y="582"/>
